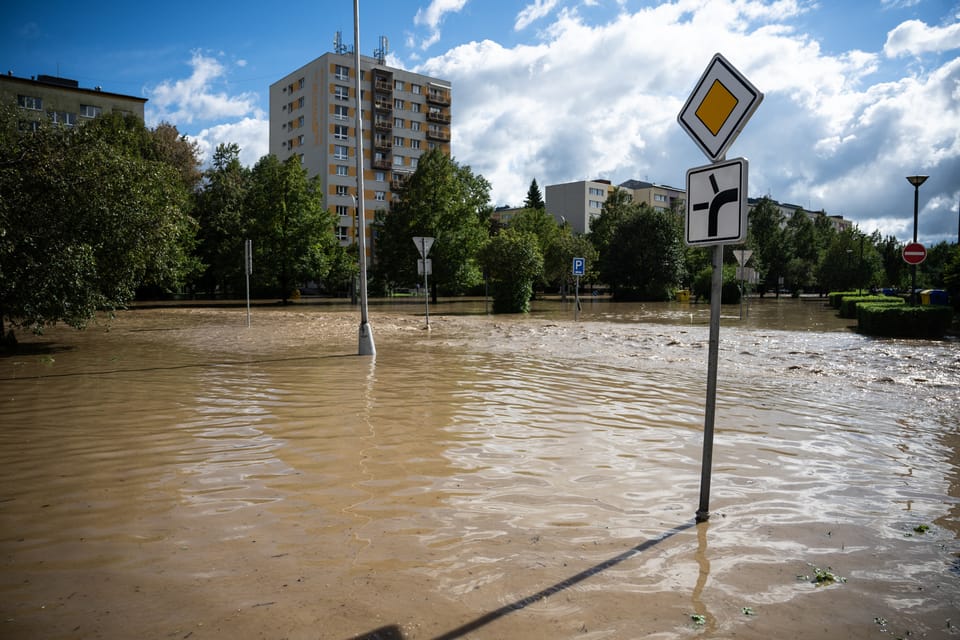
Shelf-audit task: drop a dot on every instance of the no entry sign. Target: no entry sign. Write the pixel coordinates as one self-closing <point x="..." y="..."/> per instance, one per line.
<point x="914" y="253"/>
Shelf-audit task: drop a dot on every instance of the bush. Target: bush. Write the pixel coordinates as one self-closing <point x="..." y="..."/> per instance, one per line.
<point x="703" y="285"/>
<point x="836" y="297"/>
<point x="902" y="321"/>
<point x="849" y="303"/>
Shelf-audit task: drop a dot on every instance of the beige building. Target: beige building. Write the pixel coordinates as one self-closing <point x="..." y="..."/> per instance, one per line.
<point x="579" y="203"/>
<point x="63" y="101"/>
<point x="313" y="113"/>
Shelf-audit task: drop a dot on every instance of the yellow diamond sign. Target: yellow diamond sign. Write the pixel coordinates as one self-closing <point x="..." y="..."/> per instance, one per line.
<point x="719" y="107"/>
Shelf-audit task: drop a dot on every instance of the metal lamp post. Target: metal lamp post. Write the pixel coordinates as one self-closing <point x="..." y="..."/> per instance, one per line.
<point x="916" y="181"/>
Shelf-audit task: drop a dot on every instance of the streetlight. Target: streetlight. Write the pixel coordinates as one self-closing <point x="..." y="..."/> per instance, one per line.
<point x="916" y="181"/>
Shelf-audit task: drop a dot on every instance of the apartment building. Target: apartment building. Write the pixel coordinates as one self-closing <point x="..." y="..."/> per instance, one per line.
<point x="63" y="101"/>
<point x="577" y="203"/>
<point x="313" y="112"/>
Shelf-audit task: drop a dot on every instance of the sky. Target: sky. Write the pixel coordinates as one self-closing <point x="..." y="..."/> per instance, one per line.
<point x="858" y="94"/>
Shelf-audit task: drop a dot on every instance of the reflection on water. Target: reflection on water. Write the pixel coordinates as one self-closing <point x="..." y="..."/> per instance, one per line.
<point x="182" y="474"/>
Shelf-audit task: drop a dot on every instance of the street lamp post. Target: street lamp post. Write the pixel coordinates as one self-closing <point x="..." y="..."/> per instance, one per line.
<point x="916" y="181"/>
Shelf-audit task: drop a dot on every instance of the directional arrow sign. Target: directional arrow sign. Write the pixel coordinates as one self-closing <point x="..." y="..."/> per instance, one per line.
<point x="717" y="203"/>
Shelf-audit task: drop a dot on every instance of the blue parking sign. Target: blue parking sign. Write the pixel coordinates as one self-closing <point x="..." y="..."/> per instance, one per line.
<point x="579" y="266"/>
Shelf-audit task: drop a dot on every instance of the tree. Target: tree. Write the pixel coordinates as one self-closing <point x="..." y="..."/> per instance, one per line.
<point x="86" y="217"/>
<point x="542" y="226"/>
<point x="534" y="197"/>
<point x="445" y="201"/>
<point x="223" y="222"/>
<point x="558" y="259"/>
<point x="767" y="238"/>
<point x="615" y="209"/>
<point x="802" y="252"/>
<point x="644" y="259"/>
<point x="292" y="232"/>
<point x="514" y="262"/>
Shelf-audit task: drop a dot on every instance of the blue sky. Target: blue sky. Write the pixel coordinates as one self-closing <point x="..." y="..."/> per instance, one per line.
<point x="858" y="93"/>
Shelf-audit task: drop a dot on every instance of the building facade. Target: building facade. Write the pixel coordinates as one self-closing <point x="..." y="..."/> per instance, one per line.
<point x="63" y="101"/>
<point x="313" y="112"/>
<point x="579" y="203"/>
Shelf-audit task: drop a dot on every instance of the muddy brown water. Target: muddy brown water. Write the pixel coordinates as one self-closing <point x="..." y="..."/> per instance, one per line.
<point x="176" y="474"/>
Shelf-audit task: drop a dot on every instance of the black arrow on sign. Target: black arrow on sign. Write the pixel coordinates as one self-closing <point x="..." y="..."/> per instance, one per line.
<point x="720" y="198"/>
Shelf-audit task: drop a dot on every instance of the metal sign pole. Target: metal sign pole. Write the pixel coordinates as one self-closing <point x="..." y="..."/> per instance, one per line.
<point x="576" y="297"/>
<point x="426" y="288"/>
<point x="248" y="264"/>
<point x="716" y="291"/>
<point x="366" y="346"/>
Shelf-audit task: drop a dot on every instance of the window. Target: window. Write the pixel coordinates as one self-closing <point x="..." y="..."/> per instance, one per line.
<point x="340" y="152"/>
<point x="343" y="210"/>
<point x="343" y="233"/>
<point x="89" y="111"/>
<point x="63" y="117"/>
<point x="380" y="196"/>
<point x="300" y="140"/>
<point x="341" y="111"/>
<point x="341" y="131"/>
<point x="340" y="92"/>
<point x="414" y="144"/>
<point x="300" y="121"/>
<point x="379" y="176"/>
<point x="594" y="191"/>
<point x="398" y="85"/>
<point x="342" y="190"/>
<point x="342" y="72"/>
<point x="397" y="161"/>
<point x="397" y="141"/>
<point x="659" y="197"/>
<point x="414" y="125"/>
<point x="300" y="83"/>
<point x="300" y="102"/>
<point x="30" y="102"/>
<point x="343" y="170"/>
<point x="398" y="123"/>
<point x="415" y="88"/>
<point x="398" y="104"/>
<point x="596" y="204"/>
<point x="414" y="162"/>
<point x="415" y="107"/>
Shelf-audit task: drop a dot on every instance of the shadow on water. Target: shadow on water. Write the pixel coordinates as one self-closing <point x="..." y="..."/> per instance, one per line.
<point x="393" y="632"/>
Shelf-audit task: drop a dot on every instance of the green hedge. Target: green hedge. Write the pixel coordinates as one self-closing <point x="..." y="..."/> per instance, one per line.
<point x="836" y="297"/>
<point x="903" y="321"/>
<point x="850" y="303"/>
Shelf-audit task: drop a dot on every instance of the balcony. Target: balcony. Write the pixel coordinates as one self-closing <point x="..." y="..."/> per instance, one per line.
<point x="383" y="84"/>
<point x="383" y="143"/>
<point x="383" y="124"/>
<point x="438" y="97"/>
<point x="438" y="116"/>
<point x="383" y="163"/>
<point x="383" y="105"/>
<point x="438" y="134"/>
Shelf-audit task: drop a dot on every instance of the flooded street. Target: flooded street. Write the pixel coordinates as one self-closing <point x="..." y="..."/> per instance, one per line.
<point x="176" y="474"/>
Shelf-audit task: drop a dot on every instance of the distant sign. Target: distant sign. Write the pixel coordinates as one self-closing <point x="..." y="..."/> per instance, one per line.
<point x="914" y="253"/>
<point x="579" y="266"/>
<point x="423" y="245"/>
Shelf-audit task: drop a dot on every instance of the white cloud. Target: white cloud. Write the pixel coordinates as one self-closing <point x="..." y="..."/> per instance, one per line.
<point x="600" y="101"/>
<point x="432" y="16"/>
<point x="914" y="38"/>
<point x="196" y="98"/>
<point x="533" y="12"/>
<point x="250" y="134"/>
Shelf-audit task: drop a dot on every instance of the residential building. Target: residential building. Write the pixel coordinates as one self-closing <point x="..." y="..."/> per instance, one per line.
<point x="838" y="222"/>
<point x="660" y="197"/>
<point x="577" y="203"/>
<point x="63" y="101"/>
<point x="313" y="113"/>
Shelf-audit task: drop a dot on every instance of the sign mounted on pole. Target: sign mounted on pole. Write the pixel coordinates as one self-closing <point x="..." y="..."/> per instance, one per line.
<point x="719" y="107"/>
<point x="914" y="253"/>
<point x="579" y="266"/>
<point x="717" y="203"/>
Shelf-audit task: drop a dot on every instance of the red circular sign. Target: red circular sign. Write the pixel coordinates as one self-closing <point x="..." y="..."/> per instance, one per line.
<point x="914" y="253"/>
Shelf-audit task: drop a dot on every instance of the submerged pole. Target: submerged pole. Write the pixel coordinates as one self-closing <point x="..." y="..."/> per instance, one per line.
<point x="716" y="292"/>
<point x="366" y="345"/>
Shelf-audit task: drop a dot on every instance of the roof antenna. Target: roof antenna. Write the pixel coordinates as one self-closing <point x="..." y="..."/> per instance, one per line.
<point x="381" y="53"/>
<point x="338" y="46"/>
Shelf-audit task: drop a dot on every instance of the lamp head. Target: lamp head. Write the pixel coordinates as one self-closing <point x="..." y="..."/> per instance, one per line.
<point x="917" y="180"/>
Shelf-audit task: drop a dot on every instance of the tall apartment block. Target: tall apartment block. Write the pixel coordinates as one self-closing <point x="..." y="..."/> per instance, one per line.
<point x="64" y="101"/>
<point x="313" y="113"/>
<point x="579" y="203"/>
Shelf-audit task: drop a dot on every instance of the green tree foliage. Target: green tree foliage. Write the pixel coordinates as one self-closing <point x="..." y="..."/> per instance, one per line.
<point x="292" y="233"/>
<point x="615" y="209"/>
<point x="558" y="259"/>
<point x="88" y="214"/>
<point x="445" y="201"/>
<point x="803" y="254"/>
<point x="644" y="257"/>
<point x="767" y="238"/>
<point x="540" y="224"/>
<point x="534" y="197"/>
<point x="851" y="262"/>
<point x="513" y="261"/>
<point x="224" y="224"/>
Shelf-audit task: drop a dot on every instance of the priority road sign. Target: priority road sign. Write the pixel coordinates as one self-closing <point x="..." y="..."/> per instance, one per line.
<point x="719" y="107"/>
<point x="717" y="203"/>
<point x="914" y="253"/>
